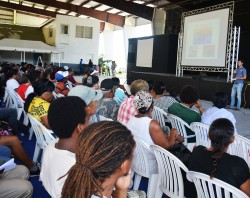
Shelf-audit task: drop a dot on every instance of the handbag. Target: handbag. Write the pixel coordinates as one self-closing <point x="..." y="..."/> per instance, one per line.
<point x="5" y="129"/>
<point x="181" y="152"/>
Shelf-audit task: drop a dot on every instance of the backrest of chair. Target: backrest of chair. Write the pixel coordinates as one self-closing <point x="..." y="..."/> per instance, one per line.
<point x="11" y="99"/>
<point x="170" y="175"/>
<point x="159" y="115"/>
<point x="180" y="125"/>
<point x="207" y="187"/>
<point x="241" y="148"/>
<point x="201" y="133"/>
<point x="43" y="135"/>
<point x="140" y="163"/>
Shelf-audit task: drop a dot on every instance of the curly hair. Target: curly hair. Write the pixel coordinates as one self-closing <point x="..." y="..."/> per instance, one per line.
<point x="138" y="85"/>
<point x="101" y="149"/>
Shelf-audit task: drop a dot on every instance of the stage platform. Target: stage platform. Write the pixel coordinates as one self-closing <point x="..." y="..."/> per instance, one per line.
<point x="207" y="85"/>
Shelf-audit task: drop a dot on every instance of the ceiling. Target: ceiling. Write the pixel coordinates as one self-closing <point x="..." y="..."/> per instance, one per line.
<point x="111" y="11"/>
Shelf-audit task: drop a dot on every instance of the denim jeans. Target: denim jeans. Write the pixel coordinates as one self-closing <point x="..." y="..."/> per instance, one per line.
<point x="10" y="116"/>
<point x="237" y="88"/>
<point x="5" y="153"/>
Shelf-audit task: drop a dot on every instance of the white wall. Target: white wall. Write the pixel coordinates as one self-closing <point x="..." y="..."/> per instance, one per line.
<point x="114" y="40"/>
<point x="72" y="48"/>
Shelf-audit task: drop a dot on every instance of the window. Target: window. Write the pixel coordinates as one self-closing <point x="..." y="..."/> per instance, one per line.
<point x="50" y="32"/>
<point x="64" y="29"/>
<point x="84" y="32"/>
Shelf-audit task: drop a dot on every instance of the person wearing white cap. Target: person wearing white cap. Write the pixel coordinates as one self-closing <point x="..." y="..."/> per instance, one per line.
<point x="61" y="78"/>
<point x="90" y="96"/>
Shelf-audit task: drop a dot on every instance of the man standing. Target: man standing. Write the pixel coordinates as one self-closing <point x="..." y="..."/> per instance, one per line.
<point x="81" y="66"/>
<point x="240" y="76"/>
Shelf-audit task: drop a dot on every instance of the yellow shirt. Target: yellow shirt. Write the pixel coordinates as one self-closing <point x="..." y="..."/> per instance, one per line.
<point x="38" y="108"/>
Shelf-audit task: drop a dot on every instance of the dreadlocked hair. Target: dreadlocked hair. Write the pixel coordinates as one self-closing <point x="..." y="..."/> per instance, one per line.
<point x="101" y="149"/>
<point x="221" y="132"/>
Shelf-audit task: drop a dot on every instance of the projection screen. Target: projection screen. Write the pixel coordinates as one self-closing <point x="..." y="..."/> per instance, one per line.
<point x="205" y="39"/>
<point x="144" y="52"/>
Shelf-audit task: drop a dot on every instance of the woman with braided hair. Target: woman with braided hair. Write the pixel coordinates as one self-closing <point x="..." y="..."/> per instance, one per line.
<point x="104" y="153"/>
<point x="214" y="161"/>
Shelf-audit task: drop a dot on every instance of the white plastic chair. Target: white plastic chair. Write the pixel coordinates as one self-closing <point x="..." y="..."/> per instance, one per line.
<point x="140" y="166"/>
<point x="181" y="126"/>
<point x="55" y="95"/>
<point x="207" y="187"/>
<point x="201" y="132"/>
<point x="43" y="136"/>
<point x="241" y="148"/>
<point x="160" y="115"/>
<point x="170" y="180"/>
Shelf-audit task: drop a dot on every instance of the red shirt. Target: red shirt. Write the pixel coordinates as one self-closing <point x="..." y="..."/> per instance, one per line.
<point x="71" y="79"/>
<point x="22" y="90"/>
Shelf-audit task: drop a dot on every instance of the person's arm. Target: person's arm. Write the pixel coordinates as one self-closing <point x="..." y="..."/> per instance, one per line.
<point x="45" y="121"/>
<point x="199" y="106"/>
<point x="245" y="187"/>
<point x="159" y="137"/>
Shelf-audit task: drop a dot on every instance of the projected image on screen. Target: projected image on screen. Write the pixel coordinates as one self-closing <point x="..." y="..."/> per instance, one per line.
<point x="144" y="52"/>
<point x="205" y="39"/>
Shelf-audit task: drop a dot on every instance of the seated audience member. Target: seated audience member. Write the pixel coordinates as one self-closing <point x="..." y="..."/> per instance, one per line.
<point x="85" y="76"/>
<point x="48" y="73"/>
<point x="33" y="76"/>
<point x="150" y="85"/>
<point x="9" y="115"/>
<point x="127" y="109"/>
<point x="61" y="78"/>
<point x="19" y="153"/>
<point x="117" y="83"/>
<point x="216" y="162"/>
<point x="218" y="110"/>
<point x="161" y="101"/>
<point x="67" y="118"/>
<point x="90" y="97"/>
<point x="14" y="182"/>
<point x="104" y="154"/>
<point x="173" y="92"/>
<point x="107" y="106"/>
<point x="142" y="126"/>
<point x="37" y="103"/>
<point x="11" y="79"/>
<point x="25" y="83"/>
<point x="93" y="82"/>
<point x="189" y="96"/>
<point x="71" y="77"/>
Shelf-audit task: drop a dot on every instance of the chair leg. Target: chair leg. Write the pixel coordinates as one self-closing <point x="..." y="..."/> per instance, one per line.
<point x="152" y="186"/>
<point x="31" y="132"/>
<point x="137" y="181"/>
<point x="36" y="153"/>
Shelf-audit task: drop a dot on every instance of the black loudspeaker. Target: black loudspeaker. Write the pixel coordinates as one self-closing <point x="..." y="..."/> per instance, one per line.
<point x="246" y="95"/>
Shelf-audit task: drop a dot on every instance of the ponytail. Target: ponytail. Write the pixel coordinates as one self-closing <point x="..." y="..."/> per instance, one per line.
<point x="28" y="100"/>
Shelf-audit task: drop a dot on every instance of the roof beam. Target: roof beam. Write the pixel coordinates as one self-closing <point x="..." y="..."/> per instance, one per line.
<point x="139" y="10"/>
<point x="28" y="9"/>
<point x="101" y="15"/>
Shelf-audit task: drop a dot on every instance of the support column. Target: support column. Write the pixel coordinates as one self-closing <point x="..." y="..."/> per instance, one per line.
<point x="158" y="22"/>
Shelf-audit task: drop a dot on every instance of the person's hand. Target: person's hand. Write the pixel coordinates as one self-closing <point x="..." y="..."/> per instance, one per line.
<point x="174" y="132"/>
<point x="198" y="104"/>
<point x="179" y="139"/>
<point x="123" y="182"/>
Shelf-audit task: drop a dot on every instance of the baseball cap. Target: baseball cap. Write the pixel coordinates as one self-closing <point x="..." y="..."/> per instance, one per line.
<point x="107" y="84"/>
<point x="94" y="72"/>
<point x="91" y="80"/>
<point x="85" y="93"/>
<point x="61" y="74"/>
<point x="66" y="67"/>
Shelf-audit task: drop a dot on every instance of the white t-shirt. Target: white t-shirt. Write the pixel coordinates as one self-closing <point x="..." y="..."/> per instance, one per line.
<point x="12" y="84"/>
<point x="214" y="113"/>
<point x="140" y="129"/>
<point x="29" y="90"/>
<point x="55" y="163"/>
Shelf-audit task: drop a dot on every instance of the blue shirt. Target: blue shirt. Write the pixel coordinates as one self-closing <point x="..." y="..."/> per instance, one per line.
<point x="240" y="72"/>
